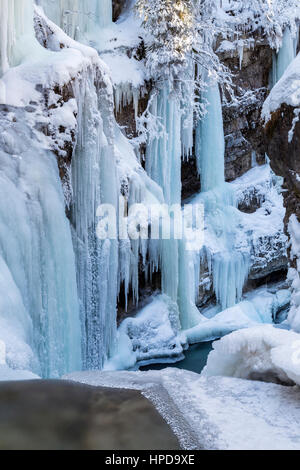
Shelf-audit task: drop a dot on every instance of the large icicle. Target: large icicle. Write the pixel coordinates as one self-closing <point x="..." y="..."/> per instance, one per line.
<point x="210" y="142"/>
<point x="163" y="165"/>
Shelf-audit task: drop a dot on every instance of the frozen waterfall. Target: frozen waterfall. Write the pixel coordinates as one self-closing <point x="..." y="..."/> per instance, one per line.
<point x="94" y="183"/>
<point x="163" y="165"/>
<point x="36" y="257"/>
<point x="229" y="267"/>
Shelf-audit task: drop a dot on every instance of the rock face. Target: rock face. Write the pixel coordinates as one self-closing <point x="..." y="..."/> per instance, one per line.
<point x="284" y="156"/>
<point x="241" y="120"/>
<point x="118" y="6"/>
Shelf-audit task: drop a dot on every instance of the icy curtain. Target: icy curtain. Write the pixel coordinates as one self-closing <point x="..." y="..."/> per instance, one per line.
<point x="16" y="31"/>
<point x="229" y="267"/>
<point x="79" y="17"/>
<point x="163" y="165"/>
<point x="95" y="183"/>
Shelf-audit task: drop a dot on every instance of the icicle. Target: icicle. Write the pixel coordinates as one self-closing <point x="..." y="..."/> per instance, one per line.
<point x="163" y="155"/>
<point x="187" y="120"/>
<point x="16" y="32"/>
<point x="284" y="57"/>
<point x="125" y="95"/>
<point x="79" y="18"/>
<point x="94" y="183"/>
<point x="229" y="267"/>
<point x="163" y="165"/>
<point x="210" y="143"/>
<point x="230" y="272"/>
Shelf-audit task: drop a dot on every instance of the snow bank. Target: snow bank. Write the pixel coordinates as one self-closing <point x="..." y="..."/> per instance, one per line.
<point x="260" y="353"/>
<point x="287" y="90"/>
<point x="214" y="412"/>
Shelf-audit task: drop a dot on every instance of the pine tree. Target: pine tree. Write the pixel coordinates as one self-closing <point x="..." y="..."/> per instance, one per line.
<point x="171" y="26"/>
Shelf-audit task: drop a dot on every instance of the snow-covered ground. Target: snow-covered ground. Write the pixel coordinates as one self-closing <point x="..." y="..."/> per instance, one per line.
<point x="217" y="412"/>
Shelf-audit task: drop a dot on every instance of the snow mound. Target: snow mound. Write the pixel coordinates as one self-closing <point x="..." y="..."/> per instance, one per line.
<point x="259" y="353"/>
<point x="287" y="90"/>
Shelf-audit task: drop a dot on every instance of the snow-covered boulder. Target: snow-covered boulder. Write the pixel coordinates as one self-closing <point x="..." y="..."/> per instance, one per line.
<point x="261" y="353"/>
<point x="151" y="336"/>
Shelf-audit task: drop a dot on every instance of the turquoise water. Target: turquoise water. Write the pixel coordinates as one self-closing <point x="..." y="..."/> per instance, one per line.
<point x="195" y="359"/>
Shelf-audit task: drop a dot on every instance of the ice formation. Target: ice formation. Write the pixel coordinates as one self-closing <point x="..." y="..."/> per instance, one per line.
<point x="259" y="307"/>
<point x="285" y="55"/>
<point x="179" y="268"/>
<point x="37" y="261"/>
<point x="63" y="309"/>
<point x="285" y="91"/>
<point x="229" y="267"/>
<point x="16" y="30"/>
<point x="79" y="19"/>
<point x="151" y="336"/>
<point x="210" y="143"/>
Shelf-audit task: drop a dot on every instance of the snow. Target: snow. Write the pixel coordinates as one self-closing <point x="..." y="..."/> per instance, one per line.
<point x="217" y="413"/>
<point x="47" y="68"/>
<point x="151" y="336"/>
<point x="259" y="353"/>
<point x="258" y="307"/>
<point x="287" y="90"/>
<point x="8" y="375"/>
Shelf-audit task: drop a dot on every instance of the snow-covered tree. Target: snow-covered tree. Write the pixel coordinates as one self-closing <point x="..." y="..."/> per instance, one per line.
<point x="171" y="26"/>
<point x="181" y="32"/>
<point x="267" y="17"/>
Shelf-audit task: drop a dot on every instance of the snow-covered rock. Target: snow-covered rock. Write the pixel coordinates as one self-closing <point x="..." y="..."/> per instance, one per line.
<point x="286" y="91"/>
<point x="151" y="336"/>
<point x="261" y="353"/>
